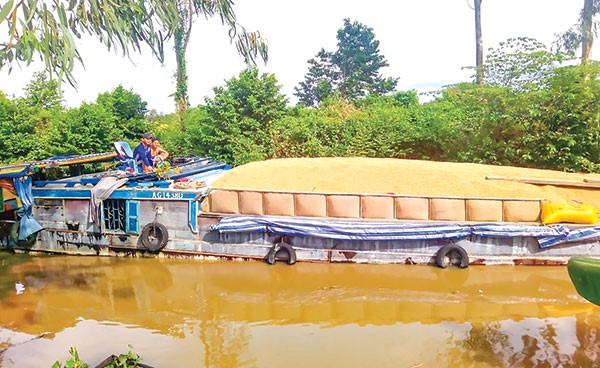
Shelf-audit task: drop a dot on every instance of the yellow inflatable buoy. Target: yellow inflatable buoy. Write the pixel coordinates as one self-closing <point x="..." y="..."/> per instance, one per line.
<point x="553" y="213"/>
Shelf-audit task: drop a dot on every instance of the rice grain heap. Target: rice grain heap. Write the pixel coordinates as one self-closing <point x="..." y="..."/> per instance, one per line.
<point x="407" y="177"/>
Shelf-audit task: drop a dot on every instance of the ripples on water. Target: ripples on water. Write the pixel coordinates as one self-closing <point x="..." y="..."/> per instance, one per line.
<point x="190" y="313"/>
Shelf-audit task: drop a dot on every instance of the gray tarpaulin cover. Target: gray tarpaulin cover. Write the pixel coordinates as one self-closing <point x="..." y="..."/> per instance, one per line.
<point x="100" y="192"/>
<point x="368" y="230"/>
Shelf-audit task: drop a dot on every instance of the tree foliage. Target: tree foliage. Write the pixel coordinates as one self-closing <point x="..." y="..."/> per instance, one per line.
<point x="359" y="61"/>
<point x="6" y="107"/>
<point x="352" y="71"/>
<point x="43" y="92"/>
<point x="521" y="64"/>
<point x="33" y="28"/>
<point x="37" y="126"/>
<point x="89" y="128"/>
<point x="127" y="109"/>
<point x="566" y="132"/>
<point x="321" y="80"/>
<point x="38" y="28"/>
<point x="236" y="124"/>
<point x="26" y="120"/>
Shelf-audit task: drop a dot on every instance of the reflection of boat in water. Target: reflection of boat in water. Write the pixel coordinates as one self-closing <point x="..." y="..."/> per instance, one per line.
<point x="119" y="212"/>
<point x="585" y="275"/>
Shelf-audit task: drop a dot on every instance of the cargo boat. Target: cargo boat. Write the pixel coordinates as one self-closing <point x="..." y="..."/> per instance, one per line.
<point x="124" y="213"/>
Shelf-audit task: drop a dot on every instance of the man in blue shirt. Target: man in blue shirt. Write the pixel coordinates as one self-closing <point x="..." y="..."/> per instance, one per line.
<point x="142" y="152"/>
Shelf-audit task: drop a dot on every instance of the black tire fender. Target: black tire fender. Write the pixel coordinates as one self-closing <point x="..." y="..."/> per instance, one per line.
<point x="14" y="235"/>
<point x="279" y="248"/>
<point x="154" y="236"/>
<point x="446" y="250"/>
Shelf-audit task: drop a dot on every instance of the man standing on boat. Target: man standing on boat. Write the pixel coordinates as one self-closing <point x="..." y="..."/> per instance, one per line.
<point x="141" y="153"/>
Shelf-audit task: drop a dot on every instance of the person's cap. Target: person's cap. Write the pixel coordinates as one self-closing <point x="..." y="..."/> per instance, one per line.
<point x="147" y="135"/>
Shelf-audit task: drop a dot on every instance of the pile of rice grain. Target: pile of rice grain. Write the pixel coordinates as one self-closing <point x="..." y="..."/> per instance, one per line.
<point x="398" y="176"/>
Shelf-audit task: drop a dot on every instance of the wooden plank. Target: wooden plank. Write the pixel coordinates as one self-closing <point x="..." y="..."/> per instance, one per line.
<point x="541" y="181"/>
<point x="595" y="181"/>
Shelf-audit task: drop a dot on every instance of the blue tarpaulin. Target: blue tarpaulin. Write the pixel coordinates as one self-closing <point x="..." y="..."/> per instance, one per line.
<point x="377" y="231"/>
<point x="29" y="225"/>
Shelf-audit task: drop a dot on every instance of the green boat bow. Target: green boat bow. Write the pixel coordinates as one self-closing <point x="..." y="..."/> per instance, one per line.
<point x="585" y="275"/>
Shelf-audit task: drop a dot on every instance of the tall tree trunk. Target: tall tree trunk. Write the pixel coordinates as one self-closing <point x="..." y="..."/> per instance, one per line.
<point x="181" y="88"/>
<point x="182" y="38"/>
<point x="587" y="37"/>
<point x="478" y="43"/>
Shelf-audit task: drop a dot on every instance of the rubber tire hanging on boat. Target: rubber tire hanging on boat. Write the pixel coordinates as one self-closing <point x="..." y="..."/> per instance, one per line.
<point x="154" y="236"/>
<point x="277" y="249"/>
<point x="446" y="250"/>
<point x="14" y="235"/>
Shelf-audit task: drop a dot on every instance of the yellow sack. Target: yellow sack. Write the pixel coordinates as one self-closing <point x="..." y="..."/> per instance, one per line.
<point x="553" y="213"/>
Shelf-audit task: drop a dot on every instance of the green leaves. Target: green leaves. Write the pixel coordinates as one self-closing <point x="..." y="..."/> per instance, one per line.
<point x="522" y="64"/>
<point x="237" y="124"/>
<point x="121" y="361"/>
<point x="49" y="31"/>
<point x="352" y="70"/>
<point x="6" y="10"/>
<point x="37" y="126"/>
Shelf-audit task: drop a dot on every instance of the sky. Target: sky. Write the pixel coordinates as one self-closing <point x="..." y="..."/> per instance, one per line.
<point x="426" y="43"/>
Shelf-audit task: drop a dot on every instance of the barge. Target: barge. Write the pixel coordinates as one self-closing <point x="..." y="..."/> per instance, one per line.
<point x="123" y="213"/>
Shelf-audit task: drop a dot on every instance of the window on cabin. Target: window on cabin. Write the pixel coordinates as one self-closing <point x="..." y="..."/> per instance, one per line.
<point x="121" y="215"/>
<point x="114" y="214"/>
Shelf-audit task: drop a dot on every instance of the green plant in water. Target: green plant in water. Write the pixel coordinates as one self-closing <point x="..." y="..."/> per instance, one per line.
<point x="73" y="362"/>
<point x="129" y="360"/>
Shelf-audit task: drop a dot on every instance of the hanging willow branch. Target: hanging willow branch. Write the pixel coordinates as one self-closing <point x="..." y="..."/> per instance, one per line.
<point x="33" y="28"/>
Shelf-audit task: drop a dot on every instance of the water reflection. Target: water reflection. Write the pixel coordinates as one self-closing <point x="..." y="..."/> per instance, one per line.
<point x="231" y="314"/>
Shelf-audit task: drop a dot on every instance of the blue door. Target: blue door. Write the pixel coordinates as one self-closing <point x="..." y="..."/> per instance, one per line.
<point x="132" y="224"/>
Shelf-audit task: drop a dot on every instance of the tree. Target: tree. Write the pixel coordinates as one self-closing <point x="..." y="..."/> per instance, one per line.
<point x="522" y="64"/>
<point x="478" y="43"/>
<point x="320" y="81"/>
<point x="23" y="131"/>
<point x="582" y="33"/>
<point x="128" y="110"/>
<point x="249" y="44"/>
<point x="353" y="70"/>
<point x="43" y="92"/>
<point x="587" y="37"/>
<point x="240" y="118"/>
<point x="566" y="133"/>
<point x="359" y="61"/>
<point x="6" y="107"/>
<point x="90" y="128"/>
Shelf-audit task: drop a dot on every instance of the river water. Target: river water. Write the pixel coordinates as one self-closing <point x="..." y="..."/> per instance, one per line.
<point x="192" y="313"/>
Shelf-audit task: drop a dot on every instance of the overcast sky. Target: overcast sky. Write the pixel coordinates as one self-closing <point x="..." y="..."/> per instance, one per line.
<point x="427" y="43"/>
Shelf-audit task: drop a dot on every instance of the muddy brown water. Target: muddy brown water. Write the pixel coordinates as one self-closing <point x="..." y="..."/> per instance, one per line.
<point x="192" y="313"/>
